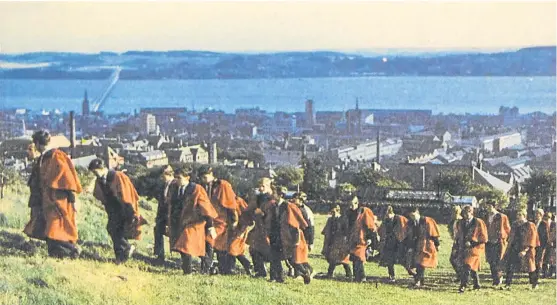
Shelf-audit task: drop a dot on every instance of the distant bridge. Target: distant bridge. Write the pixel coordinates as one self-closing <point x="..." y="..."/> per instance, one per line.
<point x="99" y="102"/>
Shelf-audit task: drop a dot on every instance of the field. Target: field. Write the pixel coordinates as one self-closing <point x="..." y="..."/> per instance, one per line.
<point x="29" y="277"/>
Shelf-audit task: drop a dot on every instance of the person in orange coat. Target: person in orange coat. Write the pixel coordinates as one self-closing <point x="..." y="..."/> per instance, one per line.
<point x="58" y="186"/>
<point x="361" y="222"/>
<point x="120" y="199"/>
<point x="191" y="220"/>
<point x="422" y="242"/>
<point x="224" y="201"/>
<point x="498" y="229"/>
<point x="552" y="257"/>
<point x="238" y="236"/>
<point x="392" y="233"/>
<point x="543" y="227"/>
<point x="470" y="240"/>
<point x="335" y="245"/>
<point x="35" y="228"/>
<point x="258" y="237"/>
<point x="292" y="227"/>
<point x="521" y="252"/>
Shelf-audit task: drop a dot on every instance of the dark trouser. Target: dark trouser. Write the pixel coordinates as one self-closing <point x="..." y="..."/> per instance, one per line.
<point x="186" y="263"/>
<point x="225" y="262"/>
<point x="359" y="271"/>
<point x="276" y="264"/>
<point x="61" y="249"/>
<point x="243" y="260"/>
<point x="120" y="244"/>
<point x="541" y="267"/>
<point x="514" y="262"/>
<point x="465" y="277"/>
<point x="207" y="260"/>
<point x="420" y="274"/>
<point x="332" y="267"/>
<point x="258" y="263"/>
<point x="492" y="253"/>
<point x="454" y="262"/>
<point x="160" y="228"/>
<point x="391" y="269"/>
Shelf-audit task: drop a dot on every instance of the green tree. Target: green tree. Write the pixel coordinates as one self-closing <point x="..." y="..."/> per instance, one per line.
<point x="453" y="182"/>
<point x="289" y="176"/>
<point x="484" y="193"/>
<point x="540" y="188"/>
<point x="316" y="177"/>
<point x="367" y="177"/>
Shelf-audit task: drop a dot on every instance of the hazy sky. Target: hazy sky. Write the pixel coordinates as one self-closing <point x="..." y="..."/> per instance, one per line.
<point x="273" y="26"/>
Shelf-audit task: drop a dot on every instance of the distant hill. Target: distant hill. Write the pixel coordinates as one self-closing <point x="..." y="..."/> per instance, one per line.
<point x="535" y="61"/>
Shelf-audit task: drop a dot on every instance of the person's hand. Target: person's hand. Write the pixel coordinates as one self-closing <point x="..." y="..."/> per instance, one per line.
<point x="468" y="244"/>
<point x="212" y="232"/>
<point x="71" y="197"/>
<point x="258" y="211"/>
<point x="310" y="247"/>
<point x="410" y="250"/>
<point x="368" y="242"/>
<point x="522" y="253"/>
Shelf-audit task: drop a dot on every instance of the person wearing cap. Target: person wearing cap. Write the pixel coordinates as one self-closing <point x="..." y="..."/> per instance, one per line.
<point x="335" y="245"/>
<point x="521" y="252"/>
<point x="543" y="227"/>
<point x="120" y="199"/>
<point x="498" y="230"/>
<point x="57" y="184"/>
<point x="392" y="233"/>
<point x="224" y="201"/>
<point x="422" y="244"/>
<point x="292" y="225"/>
<point x="258" y="238"/>
<point x="470" y="240"/>
<point x="191" y="220"/>
<point x="361" y="227"/>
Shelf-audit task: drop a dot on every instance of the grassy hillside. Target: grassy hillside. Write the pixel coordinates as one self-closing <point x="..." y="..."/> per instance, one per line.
<point x="29" y="277"/>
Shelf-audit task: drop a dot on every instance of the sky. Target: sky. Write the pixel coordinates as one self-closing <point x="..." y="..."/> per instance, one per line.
<point x="260" y="26"/>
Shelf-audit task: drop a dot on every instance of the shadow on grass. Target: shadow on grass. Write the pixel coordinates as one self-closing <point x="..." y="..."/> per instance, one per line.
<point x="18" y="245"/>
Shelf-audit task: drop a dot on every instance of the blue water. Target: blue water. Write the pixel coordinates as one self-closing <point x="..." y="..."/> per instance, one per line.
<point x="440" y="94"/>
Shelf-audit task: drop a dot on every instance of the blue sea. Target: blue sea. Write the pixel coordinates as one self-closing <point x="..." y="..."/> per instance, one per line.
<point x="439" y="94"/>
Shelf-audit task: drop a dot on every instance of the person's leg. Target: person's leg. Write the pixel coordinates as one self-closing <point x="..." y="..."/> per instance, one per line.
<point x="186" y="263"/>
<point x="331" y="269"/>
<point x="533" y="279"/>
<point x="159" y="230"/>
<point x="207" y="260"/>
<point x="464" y="277"/>
<point x="359" y="272"/>
<point x="391" y="269"/>
<point x="245" y="263"/>
<point x="276" y="266"/>
<point x="223" y="262"/>
<point x="347" y="270"/>
<point x="420" y="275"/>
<point x="61" y="249"/>
<point x="258" y="263"/>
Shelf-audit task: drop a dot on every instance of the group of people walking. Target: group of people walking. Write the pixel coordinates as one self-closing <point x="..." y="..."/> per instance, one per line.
<point x="207" y="219"/>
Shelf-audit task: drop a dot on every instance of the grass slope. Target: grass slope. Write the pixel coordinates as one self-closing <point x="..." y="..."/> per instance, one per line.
<point x="29" y="277"/>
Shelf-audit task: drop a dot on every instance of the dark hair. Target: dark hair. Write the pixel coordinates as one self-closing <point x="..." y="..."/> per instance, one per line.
<point x="167" y="170"/>
<point x="415" y="209"/>
<point x="41" y="137"/>
<point x="491" y="203"/>
<point x="184" y="171"/>
<point x="205" y="170"/>
<point x="96" y="164"/>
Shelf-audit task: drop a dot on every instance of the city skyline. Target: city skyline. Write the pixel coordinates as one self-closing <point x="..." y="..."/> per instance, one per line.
<point x="272" y="26"/>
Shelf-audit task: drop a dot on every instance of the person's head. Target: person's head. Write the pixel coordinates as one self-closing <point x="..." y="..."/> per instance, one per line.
<point x="548" y="216"/>
<point x="491" y="206"/>
<point x="335" y="211"/>
<point x="521" y="215"/>
<point x="167" y="173"/>
<point x="281" y="191"/>
<point x="182" y="175"/>
<point x="539" y="214"/>
<point x="32" y="152"/>
<point x="414" y="213"/>
<point x="354" y="203"/>
<point x="206" y="174"/>
<point x="457" y="212"/>
<point x="264" y="186"/>
<point x="299" y="198"/>
<point x="98" y="168"/>
<point x="468" y="212"/>
<point x="41" y="139"/>
<point x="390" y="214"/>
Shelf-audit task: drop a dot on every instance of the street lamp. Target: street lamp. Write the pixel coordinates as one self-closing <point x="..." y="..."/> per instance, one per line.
<point x="423" y="176"/>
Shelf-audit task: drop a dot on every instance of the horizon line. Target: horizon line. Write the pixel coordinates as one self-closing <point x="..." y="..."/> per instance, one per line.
<point x="341" y="50"/>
